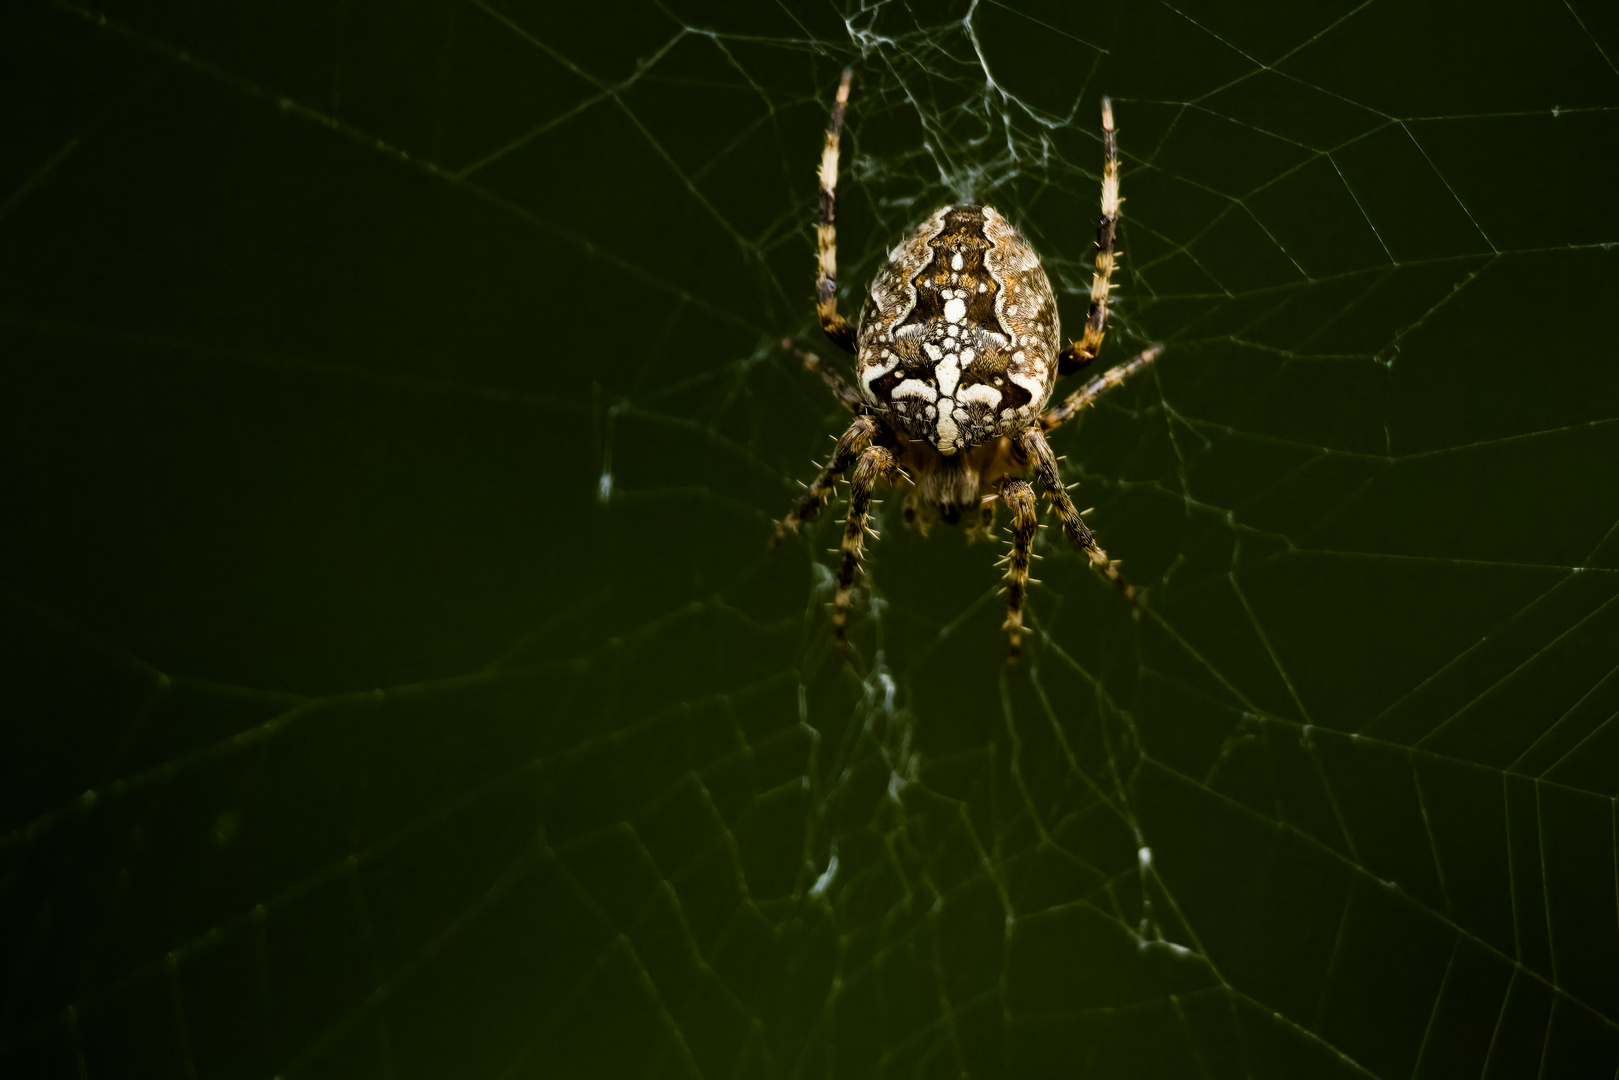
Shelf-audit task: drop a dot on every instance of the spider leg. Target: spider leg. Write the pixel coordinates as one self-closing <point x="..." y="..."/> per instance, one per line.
<point x="1019" y="496"/>
<point x="1081" y="352"/>
<point x="920" y="513"/>
<point x="984" y="527"/>
<point x="875" y="463"/>
<point x="826" y="230"/>
<point x="1098" y="385"/>
<point x="834" y="382"/>
<point x="1037" y="451"/>
<point x="856" y="439"/>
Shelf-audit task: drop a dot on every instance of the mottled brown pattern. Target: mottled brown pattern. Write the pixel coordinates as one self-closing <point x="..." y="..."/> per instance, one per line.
<point x="964" y="233"/>
<point x="1002" y="335"/>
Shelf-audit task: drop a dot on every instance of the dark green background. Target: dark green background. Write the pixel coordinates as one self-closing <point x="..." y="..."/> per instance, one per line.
<point x="396" y="682"/>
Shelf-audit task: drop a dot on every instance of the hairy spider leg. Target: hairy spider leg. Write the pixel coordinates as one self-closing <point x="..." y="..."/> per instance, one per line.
<point x="1019" y="496"/>
<point x="984" y="527"/>
<point x="920" y="512"/>
<point x="1098" y="385"/>
<point x="856" y="438"/>
<point x="1037" y="451"/>
<point x="1081" y="352"/>
<point x="841" y="390"/>
<point x="826" y="230"/>
<point x="876" y="463"/>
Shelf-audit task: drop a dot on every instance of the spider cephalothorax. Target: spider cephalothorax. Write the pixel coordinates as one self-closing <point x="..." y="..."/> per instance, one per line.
<point x="958" y="350"/>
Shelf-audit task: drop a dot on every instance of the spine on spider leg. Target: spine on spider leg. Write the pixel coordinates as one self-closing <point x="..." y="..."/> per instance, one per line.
<point x="875" y="464"/>
<point x="1098" y="385"/>
<point x="1020" y="498"/>
<point x="834" y="382"/>
<point x="1038" y="452"/>
<point x="1034" y="445"/>
<point x="1107" y="230"/>
<point x="826" y="233"/>
<point x="855" y="439"/>
<point x="1110" y="568"/>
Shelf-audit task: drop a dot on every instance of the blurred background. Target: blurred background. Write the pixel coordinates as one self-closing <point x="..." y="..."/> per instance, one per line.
<point x="397" y="682"/>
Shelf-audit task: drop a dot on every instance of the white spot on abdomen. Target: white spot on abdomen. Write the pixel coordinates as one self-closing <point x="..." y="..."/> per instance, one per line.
<point x="1034" y="385"/>
<point x="872" y="372"/>
<point x="948" y="373"/>
<point x="949" y="434"/>
<point x="979" y="392"/>
<point x="914" y="388"/>
<point x="955" y="261"/>
<point x="955" y="309"/>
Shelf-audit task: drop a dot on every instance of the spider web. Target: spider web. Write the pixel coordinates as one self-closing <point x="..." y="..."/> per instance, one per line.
<point x="400" y="685"/>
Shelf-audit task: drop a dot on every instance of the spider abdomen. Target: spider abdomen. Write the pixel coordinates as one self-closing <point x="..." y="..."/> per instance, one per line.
<point x="959" y="335"/>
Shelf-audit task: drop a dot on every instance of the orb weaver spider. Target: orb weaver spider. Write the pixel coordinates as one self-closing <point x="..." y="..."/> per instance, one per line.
<point x="957" y="353"/>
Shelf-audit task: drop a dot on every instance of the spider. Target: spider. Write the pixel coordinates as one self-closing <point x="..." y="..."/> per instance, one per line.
<point x="956" y="356"/>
